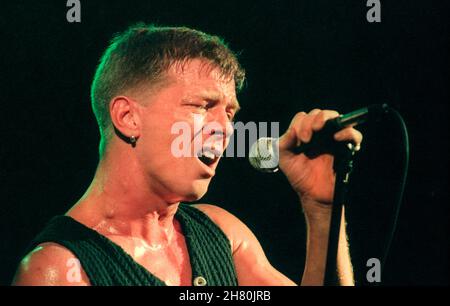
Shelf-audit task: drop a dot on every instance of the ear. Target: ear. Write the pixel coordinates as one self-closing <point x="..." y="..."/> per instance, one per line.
<point x="125" y="116"/>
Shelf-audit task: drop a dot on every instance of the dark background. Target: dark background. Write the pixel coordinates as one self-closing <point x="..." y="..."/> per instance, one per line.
<point x="298" y="55"/>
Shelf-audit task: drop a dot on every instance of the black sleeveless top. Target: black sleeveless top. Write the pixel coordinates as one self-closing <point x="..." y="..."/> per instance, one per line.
<point x="107" y="264"/>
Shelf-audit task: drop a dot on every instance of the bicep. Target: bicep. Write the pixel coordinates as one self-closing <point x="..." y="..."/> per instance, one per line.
<point x="50" y="264"/>
<point x="252" y="266"/>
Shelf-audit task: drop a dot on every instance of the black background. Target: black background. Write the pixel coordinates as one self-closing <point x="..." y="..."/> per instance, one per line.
<point x="298" y="55"/>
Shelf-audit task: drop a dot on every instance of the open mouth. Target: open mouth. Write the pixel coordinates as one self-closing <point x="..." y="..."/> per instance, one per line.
<point x="208" y="156"/>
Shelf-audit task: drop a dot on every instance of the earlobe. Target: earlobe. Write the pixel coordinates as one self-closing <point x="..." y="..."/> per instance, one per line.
<point x="125" y="118"/>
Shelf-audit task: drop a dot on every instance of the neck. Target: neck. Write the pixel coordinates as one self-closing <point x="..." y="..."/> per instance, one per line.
<point x="120" y="201"/>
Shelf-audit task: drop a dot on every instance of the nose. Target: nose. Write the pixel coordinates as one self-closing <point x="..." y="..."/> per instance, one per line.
<point x="219" y="124"/>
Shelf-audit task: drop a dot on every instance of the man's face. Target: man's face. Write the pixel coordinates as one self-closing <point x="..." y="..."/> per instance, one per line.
<point x="199" y="98"/>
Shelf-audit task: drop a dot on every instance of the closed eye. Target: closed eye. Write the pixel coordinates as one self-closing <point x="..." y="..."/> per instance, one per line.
<point x="200" y="106"/>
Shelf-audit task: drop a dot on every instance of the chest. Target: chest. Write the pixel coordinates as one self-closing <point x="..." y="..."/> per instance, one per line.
<point x="170" y="263"/>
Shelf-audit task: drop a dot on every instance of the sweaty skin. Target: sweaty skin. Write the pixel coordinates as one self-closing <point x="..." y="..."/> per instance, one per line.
<point x="136" y="191"/>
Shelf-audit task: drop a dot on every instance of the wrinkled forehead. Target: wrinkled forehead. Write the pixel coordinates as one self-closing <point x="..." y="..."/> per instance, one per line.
<point x="198" y="74"/>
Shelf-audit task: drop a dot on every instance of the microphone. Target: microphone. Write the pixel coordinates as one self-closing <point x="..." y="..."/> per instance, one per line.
<point x="264" y="153"/>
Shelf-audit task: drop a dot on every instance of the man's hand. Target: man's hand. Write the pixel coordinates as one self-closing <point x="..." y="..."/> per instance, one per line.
<point x="312" y="179"/>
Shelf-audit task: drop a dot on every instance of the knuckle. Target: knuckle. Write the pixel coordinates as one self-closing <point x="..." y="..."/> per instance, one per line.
<point x="321" y="116"/>
<point x="360" y="138"/>
<point x="355" y="132"/>
<point x="299" y="116"/>
<point x="305" y="134"/>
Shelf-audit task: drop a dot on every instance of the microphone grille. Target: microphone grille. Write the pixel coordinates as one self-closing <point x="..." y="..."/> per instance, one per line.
<point x="264" y="155"/>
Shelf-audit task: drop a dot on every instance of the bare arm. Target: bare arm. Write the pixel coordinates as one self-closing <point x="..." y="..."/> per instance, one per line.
<point x="252" y="265"/>
<point x="313" y="179"/>
<point x="50" y="264"/>
<point x="318" y="225"/>
<point x="254" y="269"/>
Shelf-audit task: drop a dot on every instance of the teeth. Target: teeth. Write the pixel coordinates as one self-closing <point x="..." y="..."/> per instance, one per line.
<point x="209" y="155"/>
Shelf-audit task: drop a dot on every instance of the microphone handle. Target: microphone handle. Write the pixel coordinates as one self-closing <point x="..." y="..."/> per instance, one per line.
<point x="323" y="141"/>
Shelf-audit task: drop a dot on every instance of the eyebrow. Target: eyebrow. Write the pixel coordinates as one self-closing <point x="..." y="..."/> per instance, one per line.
<point x="213" y="96"/>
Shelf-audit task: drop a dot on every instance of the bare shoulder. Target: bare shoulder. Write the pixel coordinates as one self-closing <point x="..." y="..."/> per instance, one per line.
<point x="234" y="229"/>
<point x="252" y="265"/>
<point x="217" y="214"/>
<point x="50" y="264"/>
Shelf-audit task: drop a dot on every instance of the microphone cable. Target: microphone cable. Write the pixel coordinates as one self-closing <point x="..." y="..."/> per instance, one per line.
<point x="398" y="200"/>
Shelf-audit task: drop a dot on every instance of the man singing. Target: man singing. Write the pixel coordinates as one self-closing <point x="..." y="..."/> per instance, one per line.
<point x="132" y="226"/>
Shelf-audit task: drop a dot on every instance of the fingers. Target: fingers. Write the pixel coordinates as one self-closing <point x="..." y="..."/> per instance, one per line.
<point x="304" y="125"/>
<point x="351" y="135"/>
<point x="307" y="124"/>
<point x="322" y="117"/>
<point x="291" y="138"/>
